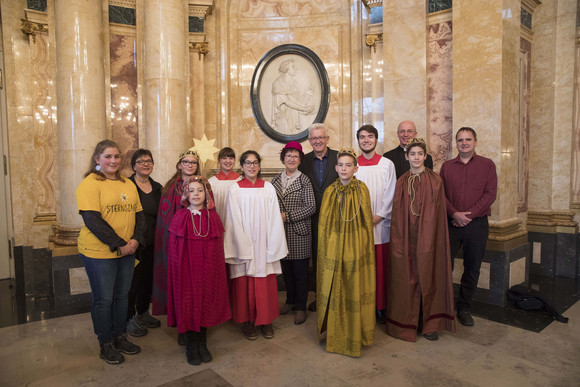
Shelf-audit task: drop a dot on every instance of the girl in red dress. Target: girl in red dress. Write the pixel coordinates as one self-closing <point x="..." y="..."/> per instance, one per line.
<point x="197" y="290"/>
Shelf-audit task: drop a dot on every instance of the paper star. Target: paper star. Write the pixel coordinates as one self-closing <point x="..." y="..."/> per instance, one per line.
<point x="205" y="148"/>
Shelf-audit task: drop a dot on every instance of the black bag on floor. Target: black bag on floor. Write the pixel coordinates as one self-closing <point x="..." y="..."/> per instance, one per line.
<point x="529" y="299"/>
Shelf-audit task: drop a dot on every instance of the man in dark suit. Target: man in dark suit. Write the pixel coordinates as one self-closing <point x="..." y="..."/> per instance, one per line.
<point x="318" y="165"/>
<point x="405" y="131"/>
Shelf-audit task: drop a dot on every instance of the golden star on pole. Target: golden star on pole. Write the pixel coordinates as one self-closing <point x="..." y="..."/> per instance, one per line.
<point x="205" y="148"/>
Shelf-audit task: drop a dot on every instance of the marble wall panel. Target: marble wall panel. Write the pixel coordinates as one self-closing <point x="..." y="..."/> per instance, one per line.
<point x="44" y="113"/>
<point x="254" y="45"/>
<point x="440" y="92"/>
<point x="542" y="107"/>
<point x="576" y="153"/>
<point x="563" y="97"/>
<point x="124" y="98"/>
<point x="524" y="140"/>
<point x="507" y="200"/>
<point x="286" y="8"/>
<point x="405" y="81"/>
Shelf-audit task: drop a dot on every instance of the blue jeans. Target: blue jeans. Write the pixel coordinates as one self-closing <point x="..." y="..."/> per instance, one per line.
<point x="110" y="283"/>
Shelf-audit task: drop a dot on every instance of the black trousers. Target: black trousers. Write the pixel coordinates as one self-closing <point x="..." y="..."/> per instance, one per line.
<point x="314" y="248"/>
<point x="472" y="238"/>
<point x="296" y="280"/>
<point x="142" y="284"/>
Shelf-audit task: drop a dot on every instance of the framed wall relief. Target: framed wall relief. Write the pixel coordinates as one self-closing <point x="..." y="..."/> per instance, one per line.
<point x="290" y="91"/>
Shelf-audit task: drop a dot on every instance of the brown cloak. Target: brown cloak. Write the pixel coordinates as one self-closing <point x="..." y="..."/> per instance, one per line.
<point x="420" y="264"/>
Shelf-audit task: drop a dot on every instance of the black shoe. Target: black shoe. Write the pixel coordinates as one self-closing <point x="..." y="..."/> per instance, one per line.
<point x="110" y="354"/>
<point x="381" y="316"/>
<point x="146" y="320"/>
<point x="135" y="329"/>
<point x="203" y="351"/>
<point x="125" y="346"/>
<point x="465" y="318"/>
<point x="431" y="336"/>
<point x="192" y="348"/>
<point x="312" y="306"/>
<point x="181" y="338"/>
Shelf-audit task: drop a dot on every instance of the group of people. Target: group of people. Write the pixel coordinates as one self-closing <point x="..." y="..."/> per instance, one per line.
<point x="380" y="231"/>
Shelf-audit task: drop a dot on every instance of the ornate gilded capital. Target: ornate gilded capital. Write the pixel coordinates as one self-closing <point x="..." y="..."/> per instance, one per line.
<point x="201" y="47"/>
<point x="372" y="39"/>
<point x="32" y="28"/>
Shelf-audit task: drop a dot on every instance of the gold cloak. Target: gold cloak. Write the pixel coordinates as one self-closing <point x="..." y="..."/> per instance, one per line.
<point x="345" y="293"/>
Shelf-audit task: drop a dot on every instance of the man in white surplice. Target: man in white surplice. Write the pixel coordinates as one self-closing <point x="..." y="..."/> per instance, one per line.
<point x="378" y="173"/>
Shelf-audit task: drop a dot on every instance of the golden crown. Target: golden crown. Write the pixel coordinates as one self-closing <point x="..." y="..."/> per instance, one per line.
<point x="348" y="151"/>
<point x="189" y="152"/>
<point x="414" y="141"/>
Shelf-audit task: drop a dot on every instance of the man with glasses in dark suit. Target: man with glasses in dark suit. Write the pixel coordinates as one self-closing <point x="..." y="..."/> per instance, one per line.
<point x="318" y="165"/>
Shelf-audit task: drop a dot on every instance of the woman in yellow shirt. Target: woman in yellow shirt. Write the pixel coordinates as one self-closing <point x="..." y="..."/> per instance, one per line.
<point x="114" y="222"/>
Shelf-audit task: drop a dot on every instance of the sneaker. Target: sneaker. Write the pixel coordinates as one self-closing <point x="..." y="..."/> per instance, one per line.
<point x="135" y="329"/>
<point x="268" y="331"/>
<point x="125" y="346"/>
<point x="250" y="331"/>
<point x="465" y="318"/>
<point x="146" y="320"/>
<point x="110" y="354"/>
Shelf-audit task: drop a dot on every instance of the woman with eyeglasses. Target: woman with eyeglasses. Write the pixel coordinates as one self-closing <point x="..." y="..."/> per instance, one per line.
<point x="297" y="205"/>
<point x="254" y="244"/>
<point x="187" y="166"/>
<point x="138" y="316"/>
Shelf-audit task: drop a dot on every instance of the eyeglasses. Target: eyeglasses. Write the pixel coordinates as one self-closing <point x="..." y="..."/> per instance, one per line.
<point x="293" y="157"/>
<point x="144" y="162"/>
<point x="188" y="163"/>
<point x="317" y="138"/>
<point x="250" y="163"/>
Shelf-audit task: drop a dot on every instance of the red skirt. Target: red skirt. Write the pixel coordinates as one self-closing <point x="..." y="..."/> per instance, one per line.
<point x="254" y="299"/>
<point x="382" y="265"/>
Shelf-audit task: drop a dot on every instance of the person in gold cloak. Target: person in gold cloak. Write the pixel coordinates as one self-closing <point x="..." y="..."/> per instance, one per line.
<point x="346" y="262"/>
<point x="420" y="268"/>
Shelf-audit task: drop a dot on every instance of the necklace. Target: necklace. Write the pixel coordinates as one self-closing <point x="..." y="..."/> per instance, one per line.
<point x="341" y="203"/>
<point x="411" y="189"/>
<point x="197" y="232"/>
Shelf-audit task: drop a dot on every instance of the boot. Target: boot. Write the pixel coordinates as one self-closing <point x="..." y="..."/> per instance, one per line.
<point x="192" y="348"/>
<point x="203" y="351"/>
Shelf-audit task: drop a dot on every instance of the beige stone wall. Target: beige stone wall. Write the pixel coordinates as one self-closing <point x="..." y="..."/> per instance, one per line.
<point x="381" y="85"/>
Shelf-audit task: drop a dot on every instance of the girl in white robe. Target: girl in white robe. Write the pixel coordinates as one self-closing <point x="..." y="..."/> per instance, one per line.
<point x="254" y="244"/>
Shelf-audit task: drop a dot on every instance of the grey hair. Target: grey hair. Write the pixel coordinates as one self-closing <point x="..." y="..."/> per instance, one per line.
<point x="318" y="125"/>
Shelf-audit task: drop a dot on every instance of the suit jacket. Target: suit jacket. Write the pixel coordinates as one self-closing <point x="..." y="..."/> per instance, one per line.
<point x="299" y="205"/>
<point x="330" y="175"/>
<point x="397" y="156"/>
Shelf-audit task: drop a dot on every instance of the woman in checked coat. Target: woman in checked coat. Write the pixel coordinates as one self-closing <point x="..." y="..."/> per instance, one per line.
<point x="297" y="205"/>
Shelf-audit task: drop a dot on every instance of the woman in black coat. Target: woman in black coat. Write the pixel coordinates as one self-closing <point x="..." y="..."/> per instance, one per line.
<point x="149" y="191"/>
<point x="297" y="205"/>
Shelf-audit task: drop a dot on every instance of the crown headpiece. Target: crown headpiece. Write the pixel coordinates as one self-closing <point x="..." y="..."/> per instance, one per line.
<point x="348" y="151"/>
<point x="414" y="141"/>
<point x="189" y="152"/>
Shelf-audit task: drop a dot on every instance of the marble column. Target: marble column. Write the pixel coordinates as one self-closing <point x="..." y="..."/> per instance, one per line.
<point x="404" y="54"/>
<point x="80" y="89"/>
<point x="486" y="45"/>
<point x="165" y="83"/>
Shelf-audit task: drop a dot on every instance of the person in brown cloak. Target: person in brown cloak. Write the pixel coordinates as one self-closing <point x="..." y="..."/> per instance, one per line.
<point x="420" y="276"/>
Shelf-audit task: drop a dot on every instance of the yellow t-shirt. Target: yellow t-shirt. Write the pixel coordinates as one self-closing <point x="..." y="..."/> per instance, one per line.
<point x="117" y="202"/>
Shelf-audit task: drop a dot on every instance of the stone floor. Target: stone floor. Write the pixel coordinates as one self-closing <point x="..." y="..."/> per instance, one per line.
<point x="64" y="351"/>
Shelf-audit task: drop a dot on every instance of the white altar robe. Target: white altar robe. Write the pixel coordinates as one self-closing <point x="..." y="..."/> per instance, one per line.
<point x="380" y="177"/>
<point x="254" y="240"/>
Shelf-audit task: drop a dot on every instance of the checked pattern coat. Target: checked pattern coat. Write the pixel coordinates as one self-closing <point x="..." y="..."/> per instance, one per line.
<point x="299" y="205"/>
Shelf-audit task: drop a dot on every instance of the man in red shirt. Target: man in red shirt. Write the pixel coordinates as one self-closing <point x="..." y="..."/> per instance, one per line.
<point x="470" y="183"/>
